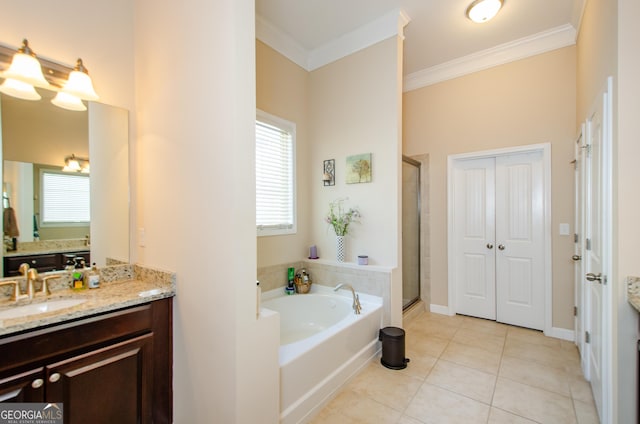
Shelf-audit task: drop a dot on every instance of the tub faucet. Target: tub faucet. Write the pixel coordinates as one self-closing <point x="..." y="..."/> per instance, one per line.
<point x="356" y="300"/>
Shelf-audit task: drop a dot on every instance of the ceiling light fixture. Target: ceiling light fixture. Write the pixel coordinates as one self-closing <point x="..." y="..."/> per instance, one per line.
<point x="483" y="10"/>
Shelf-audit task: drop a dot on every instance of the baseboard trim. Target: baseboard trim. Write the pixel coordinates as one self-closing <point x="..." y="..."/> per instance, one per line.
<point x="439" y="309"/>
<point x="562" y="333"/>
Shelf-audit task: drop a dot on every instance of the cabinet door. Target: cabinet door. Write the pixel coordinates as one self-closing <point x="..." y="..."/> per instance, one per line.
<point x="108" y="385"/>
<point x="25" y="387"/>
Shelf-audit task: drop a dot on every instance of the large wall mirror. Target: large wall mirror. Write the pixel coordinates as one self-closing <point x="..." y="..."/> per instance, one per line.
<point x="36" y="139"/>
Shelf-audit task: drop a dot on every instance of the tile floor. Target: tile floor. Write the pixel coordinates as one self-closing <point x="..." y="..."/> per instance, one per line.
<point x="469" y="370"/>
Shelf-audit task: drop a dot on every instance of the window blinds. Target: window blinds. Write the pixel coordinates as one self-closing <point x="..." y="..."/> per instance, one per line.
<point x="65" y="198"/>
<point x="274" y="178"/>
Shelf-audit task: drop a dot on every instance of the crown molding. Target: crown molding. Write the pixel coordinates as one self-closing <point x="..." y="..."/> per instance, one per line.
<point x="281" y="42"/>
<point x="541" y="42"/>
<point x="367" y="35"/>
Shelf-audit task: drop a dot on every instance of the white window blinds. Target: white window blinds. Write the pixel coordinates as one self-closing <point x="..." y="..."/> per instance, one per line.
<point x="275" y="208"/>
<point x="65" y="198"/>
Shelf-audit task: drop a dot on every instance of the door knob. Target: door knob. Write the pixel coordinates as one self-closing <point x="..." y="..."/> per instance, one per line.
<point x="576" y="257"/>
<point x="594" y="277"/>
<point x="37" y="383"/>
<point x="501" y="246"/>
<point x="489" y="246"/>
<point x="54" y="377"/>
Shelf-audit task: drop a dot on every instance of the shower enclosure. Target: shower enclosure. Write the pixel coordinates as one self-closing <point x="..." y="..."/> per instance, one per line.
<point x="410" y="231"/>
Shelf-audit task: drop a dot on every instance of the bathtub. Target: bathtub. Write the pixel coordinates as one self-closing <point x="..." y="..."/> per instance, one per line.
<point x="322" y="344"/>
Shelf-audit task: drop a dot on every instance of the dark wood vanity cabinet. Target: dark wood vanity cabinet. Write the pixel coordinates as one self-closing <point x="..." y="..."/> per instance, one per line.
<point x="111" y="368"/>
<point x="43" y="262"/>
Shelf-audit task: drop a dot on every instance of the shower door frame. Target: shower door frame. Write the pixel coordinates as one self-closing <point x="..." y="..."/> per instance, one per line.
<point x="418" y="165"/>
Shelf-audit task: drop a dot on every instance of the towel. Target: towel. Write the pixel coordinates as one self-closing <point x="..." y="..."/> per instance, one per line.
<point x="10" y="223"/>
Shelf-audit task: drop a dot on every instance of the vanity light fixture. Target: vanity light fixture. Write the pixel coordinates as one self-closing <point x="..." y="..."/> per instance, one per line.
<point x="79" y="83"/>
<point x="483" y="10"/>
<point x="26" y="72"/>
<point x="69" y="102"/>
<point x="75" y="164"/>
<point x="25" y="67"/>
<point x="23" y="74"/>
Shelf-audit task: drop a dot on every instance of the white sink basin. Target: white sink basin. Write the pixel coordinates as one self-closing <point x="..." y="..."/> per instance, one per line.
<point x="39" y="308"/>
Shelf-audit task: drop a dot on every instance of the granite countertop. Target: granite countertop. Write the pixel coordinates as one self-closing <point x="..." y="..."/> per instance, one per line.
<point x="109" y="297"/>
<point x="633" y="291"/>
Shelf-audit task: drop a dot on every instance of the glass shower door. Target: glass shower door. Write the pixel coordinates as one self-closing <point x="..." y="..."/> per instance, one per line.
<point x="410" y="232"/>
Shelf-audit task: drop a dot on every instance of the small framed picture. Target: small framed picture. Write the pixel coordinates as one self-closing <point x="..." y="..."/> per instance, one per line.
<point x="359" y="169"/>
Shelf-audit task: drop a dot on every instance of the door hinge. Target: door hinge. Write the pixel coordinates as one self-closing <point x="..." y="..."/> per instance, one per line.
<point x="587" y="337"/>
<point x="575" y="237"/>
<point x="588" y="242"/>
<point x="575" y="311"/>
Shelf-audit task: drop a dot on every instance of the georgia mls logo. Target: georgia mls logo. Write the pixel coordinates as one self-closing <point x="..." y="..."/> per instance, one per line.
<point x="31" y="413"/>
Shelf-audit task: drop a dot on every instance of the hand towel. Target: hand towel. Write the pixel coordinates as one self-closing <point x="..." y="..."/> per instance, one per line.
<point x="10" y="223"/>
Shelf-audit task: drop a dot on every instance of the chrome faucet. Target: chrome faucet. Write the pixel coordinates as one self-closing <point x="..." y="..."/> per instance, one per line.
<point x="356" y="300"/>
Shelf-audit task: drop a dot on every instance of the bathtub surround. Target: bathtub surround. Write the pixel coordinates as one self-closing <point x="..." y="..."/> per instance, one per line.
<point x="372" y="279"/>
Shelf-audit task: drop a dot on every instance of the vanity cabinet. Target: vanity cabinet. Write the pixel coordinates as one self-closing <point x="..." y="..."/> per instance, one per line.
<point x="42" y="263"/>
<point x="109" y="368"/>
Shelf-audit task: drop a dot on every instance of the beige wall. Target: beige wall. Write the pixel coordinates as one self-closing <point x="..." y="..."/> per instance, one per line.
<point x="196" y="102"/>
<point x="282" y="89"/>
<point x="355" y="108"/>
<point x="525" y="102"/>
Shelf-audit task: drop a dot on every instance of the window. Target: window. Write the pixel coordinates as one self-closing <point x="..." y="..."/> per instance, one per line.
<point x="64" y="198"/>
<point x="275" y="175"/>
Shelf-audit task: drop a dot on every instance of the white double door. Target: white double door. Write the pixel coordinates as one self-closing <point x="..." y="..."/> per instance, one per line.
<point x="498" y="235"/>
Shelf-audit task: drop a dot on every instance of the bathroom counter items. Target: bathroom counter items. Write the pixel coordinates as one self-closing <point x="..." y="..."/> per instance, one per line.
<point x="121" y="287"/>
<point x="633" y="291"/>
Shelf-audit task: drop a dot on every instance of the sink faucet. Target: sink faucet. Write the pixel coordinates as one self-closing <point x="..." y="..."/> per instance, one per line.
<point x="356" y="300"/>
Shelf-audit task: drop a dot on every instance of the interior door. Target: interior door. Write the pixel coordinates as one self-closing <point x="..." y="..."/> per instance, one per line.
<point x="578" y="249"/>
<point x="474" y="237"/>
<point x="520" y="230"/>
<point x="594" y="254"/>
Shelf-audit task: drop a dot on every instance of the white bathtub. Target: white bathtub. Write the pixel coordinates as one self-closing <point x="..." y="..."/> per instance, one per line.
<point x="322" y="343"/>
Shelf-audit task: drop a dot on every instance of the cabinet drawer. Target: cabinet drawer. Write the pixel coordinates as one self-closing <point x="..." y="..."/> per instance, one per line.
<point x="42" y="263"/>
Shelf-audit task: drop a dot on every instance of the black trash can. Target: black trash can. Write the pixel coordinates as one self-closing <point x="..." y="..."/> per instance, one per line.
<point x="392" y="339"/>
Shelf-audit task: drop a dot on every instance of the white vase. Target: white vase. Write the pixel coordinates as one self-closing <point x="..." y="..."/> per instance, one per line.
<point x="340" y="248"/>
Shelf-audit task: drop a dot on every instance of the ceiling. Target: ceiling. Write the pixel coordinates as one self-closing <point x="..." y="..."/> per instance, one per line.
<point x="438" y="31"/>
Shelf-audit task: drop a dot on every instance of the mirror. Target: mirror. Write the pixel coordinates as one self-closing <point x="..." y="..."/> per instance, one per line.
<point x="36" y="138"/>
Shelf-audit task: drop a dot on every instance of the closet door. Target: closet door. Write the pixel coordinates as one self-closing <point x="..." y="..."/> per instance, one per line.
<point x="520" y="240"/>
<point x="473" y="237"/>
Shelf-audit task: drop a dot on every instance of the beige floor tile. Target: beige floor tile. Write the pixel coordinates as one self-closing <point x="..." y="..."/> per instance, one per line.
<point x="419" y="366"/>
<point x="385" y="386"/>
<point x="440" y="329"/>
<point x="586" y="412"/>
<point x="424" y="345"/>
<point x="485" y="326"/>
<point x="366" y="410"/>
<point x="330" y="416"/>
<point x="405" y="419"/>
<point x="581" y="389"/>
<point x="533" y="403"/>
<point x="498" y="416"/>
<point x="463" y="380"/>
<point x="486" y="341"/>
<point x="449" y="319"/>
<point x="536" y="375"/>
<point x="551" y="356"/>
<point x="473" y="357"/>
<point x="434" y="405"/>
<point x="532" y="336"/>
